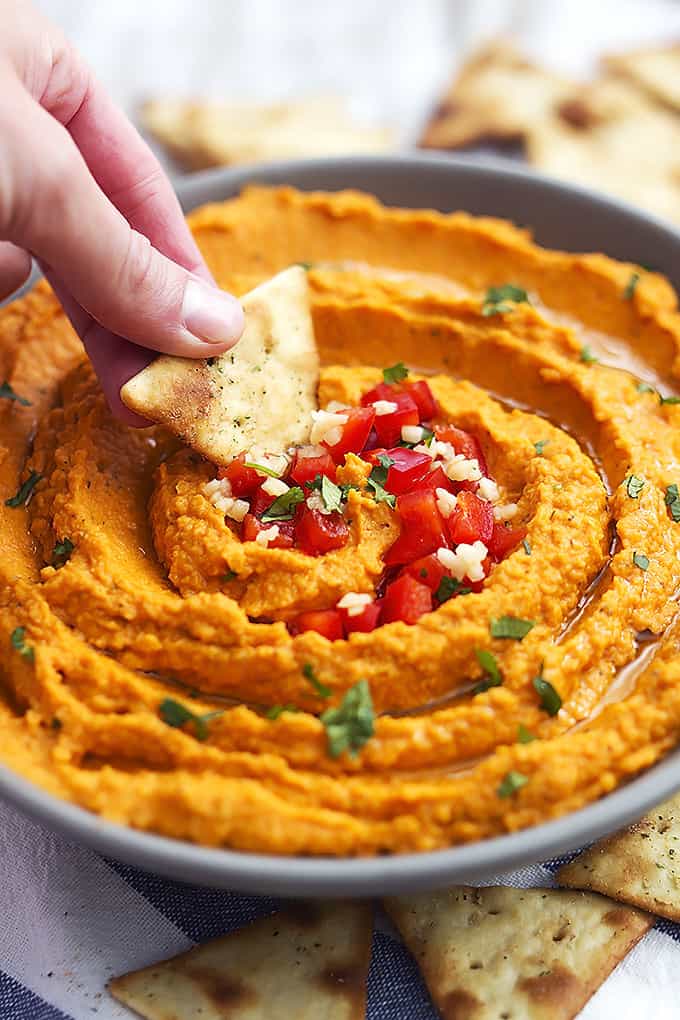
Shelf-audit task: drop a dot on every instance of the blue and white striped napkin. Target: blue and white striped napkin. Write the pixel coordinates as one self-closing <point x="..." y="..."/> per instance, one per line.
<point x="71" y="919"/>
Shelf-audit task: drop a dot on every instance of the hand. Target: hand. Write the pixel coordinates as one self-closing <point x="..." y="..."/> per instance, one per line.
<point x="82" y="192"/>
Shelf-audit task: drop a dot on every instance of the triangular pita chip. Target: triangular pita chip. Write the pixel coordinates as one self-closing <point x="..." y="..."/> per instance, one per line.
<point x="528" y="954"/>
<point x="260" y="393"/>
<point x="640" y="865"/>
<point x="306" y="963"/>
<point x="655" y="69"/>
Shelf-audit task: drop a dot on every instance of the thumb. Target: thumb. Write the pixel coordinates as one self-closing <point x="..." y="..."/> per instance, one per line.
<point x="56" y="210"/>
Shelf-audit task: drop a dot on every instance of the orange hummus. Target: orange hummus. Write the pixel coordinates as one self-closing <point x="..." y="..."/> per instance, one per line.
<point x="143" y="604"/>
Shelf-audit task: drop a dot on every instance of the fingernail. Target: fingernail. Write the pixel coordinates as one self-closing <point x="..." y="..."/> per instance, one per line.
<point x="210" y="314"/>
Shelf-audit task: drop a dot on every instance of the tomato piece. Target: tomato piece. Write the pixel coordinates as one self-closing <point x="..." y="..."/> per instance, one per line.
<point x="244" y="481"/>
<point x="305" y="468"/>
<point x="324" y="621"/>
<point x="408" y="468"/>
<point x="252" y="526"/>
<point x="471" y="520"/>
<point x="424" y="398"/>
<point x="317" y="533"/>
<point x="435" y="479"/>
<point x="372" y="442"/>
<point x="260" y="501"/>
<point x="355" y="432"/>
<point x="503" y="540"/>
<point x="422" y="528"/>
<point x="427" y="570"/>
<point x="383" y="391"/>
<point x="406" y="599"/>
<point x="389" y="426"/>
<point x="364" y="622"/>
<point x="462" y="442"/>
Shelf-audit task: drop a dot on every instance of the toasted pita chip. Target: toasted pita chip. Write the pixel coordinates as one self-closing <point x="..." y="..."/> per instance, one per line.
<point x="204" y="134"/>
<point x="655" y="69"/>
<point x="496" y="96"/>
<point x="262" y="392"/>
<point x="639" y="865"/>
<point x="309" y="961"/>
<point x="538" y="954"/>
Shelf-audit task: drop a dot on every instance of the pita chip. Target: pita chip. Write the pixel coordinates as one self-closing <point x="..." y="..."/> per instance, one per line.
<point x="654" y="69"/>
<point x="307" y="962"/>
<point x="529" y="954"/>
<point x="639" y="865"/>
<point x="261" y="392"/>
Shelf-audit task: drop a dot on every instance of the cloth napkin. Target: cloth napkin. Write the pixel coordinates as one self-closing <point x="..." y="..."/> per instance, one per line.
<point x="70" y="919"/>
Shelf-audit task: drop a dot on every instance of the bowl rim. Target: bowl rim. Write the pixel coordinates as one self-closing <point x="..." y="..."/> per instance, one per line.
<point x="367" y="876"/>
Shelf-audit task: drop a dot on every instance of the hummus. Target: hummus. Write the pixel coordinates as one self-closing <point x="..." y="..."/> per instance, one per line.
<point x="122" y="585"/>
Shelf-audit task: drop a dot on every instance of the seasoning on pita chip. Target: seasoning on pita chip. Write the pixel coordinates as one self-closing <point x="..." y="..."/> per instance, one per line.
<point x="262" y="391"/>
<point x="538" y="954"/>
<point x="309" y="961"/>
<point x="639" y="865"/>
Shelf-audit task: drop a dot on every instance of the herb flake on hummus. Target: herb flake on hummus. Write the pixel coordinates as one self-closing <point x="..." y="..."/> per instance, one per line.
<point x="587" y="356"/>
<point x="8" y="393"/>
<point x="511" y="783"/>
<point x="634" y="486"/>
<point x="448" y="587"/>
<point x="350" y="725"/>
<point x="492" y="674"/>
<point x="321" y="689"/>
<point x="551" y="702"/>
<point x="18" y="641"/>
<point x="175" y="714"/>
<point x="395" y="373"/>
<point x="673" y="501"/>
<point x="499" y="300"/>
<point x="25" y="491"/>
<point x="540" y="446"/>
<point x="283" y="507"/>
<point x="640" y="560"/>
<point x="631" y="286"/>
<point x="511" y="628"/>
<point x="62" y="552"/>
<point x="524" y="735"/>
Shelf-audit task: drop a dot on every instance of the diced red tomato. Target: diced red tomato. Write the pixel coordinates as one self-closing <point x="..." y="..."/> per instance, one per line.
<point x="407" y="469"/>
<point x="503" y="540"/>
<point x="406" y="599"/>
<point x="355" y="432"/>
<point x="305" y="468"/>
<point x="372" y="442"/>
<point x="243" y="480"/>
<point x="472" y="519"/>
<point x="462" y="442"/>
<point x="324" y="621"/>
<point x="383" y="391"/>
<point x="317" y="533"/>
<point x="436" y="479"/>
<point x="389" y="426"/>
<point x="365" y="621"/>
<point x="260" y="501"/>
<point x="422" y="528"/>
<point x="427" y="570"/>
<point x="252" y="526"/>
<point x="424" y="398"/>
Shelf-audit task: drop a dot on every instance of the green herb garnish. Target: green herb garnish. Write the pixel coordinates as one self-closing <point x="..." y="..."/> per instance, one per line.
<point x="644" y="387"/>
<point x="448" y="587"/>
<point x="230" y="575"/>
<point x="321" y="689"/>
<point x="634" y="485"/>
<point x="62" y="552"/>
<point x="551" y="702"/>
<point x="511" y="783"/>
<point x="275" y="711"/>
<point x="7" y="393"/>
<point x="283" y="507"/>
<point x="492" y="677"/>
<point x="56" y="723"/>
<point x="261" y="469"/>
<point x="527" y="546"/>
<point x="668" y="400"/>
<point x="587" y="356"/>
<point x="331" y="494"/>
<point x="499" y="300"/>
<point x="629" y="289"/>
<point x="673" y="501"/>
<point x="511" y="628"/>
<point x="524" y="736"/>
<point x="640" y="560"/>
<point x="350" y="725"/>
<point x="540" y="446"/>
<point x="175" y="714"/>
<point x="17" y="639"/>
<point x="377" y="478"/>
<point x="395" y="373"/>
<point x="305" y="265"/>
<point x="25" y="491"/>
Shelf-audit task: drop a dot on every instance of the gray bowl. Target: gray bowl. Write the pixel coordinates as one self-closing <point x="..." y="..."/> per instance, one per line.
<point x="562" y="217"/>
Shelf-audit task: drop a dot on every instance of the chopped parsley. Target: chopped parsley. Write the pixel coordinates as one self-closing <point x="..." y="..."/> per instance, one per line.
<point x="499" y="300"/>
<point x="261" y="469"/>
<point x="305" y="265"/>
<point x="321" y="689"/>
<point x="587" y="356"/>
<point x="331" y="494"/>
<point x="275" y="711"/>
<point x="524" y="736"/>
<point x="492" y="674"/>
<point x="18" y="641"/>
<point x="551" y="702"/>
<point x="395" y="373"/>
<point x="448" y="587"/>
<point x="668" y="400"/>
<point x="634" y="485"/>
<point x="7" y="393"/>
<point x="673" y="501"/>
<point x="25" y="491"/>
<point x="283" y="507"/>
<point x="511" y="628"/>
<point x="175" y="714"/>
<point x="56" y="723"/>
<point x="640" y="560"/>
<point x="511" y="783"/>
<point x="644" y="387"/>
<point x="629" y="289"/>
<point x="540" y="446"/>
<point x="350" y="725"/>
<point x="62" y="552"/>
<point x="377" y="478"/>
<point x="527" y="546"/>
<point x="230" y="575"/>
